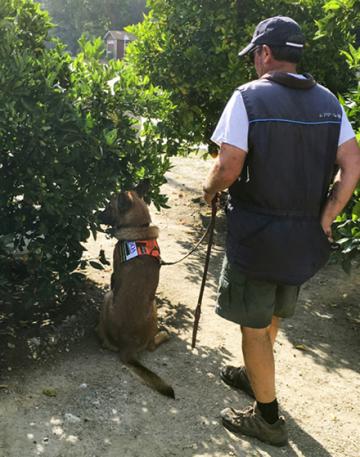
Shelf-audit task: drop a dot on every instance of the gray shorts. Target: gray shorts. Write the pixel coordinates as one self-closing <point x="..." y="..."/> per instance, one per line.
<point x="252" y="303"/>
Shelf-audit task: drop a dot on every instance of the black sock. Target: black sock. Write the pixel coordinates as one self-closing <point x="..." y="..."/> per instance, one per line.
<point x="269" y="411"/>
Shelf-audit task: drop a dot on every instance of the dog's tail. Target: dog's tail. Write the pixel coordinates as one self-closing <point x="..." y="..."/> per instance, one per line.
<point x="150" y="378"/>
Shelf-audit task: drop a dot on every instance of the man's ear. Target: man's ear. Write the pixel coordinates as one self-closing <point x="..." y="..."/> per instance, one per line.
<point x="124" y="202"/>
<point x="143" y="188"/>
<point x="268" y="55"/>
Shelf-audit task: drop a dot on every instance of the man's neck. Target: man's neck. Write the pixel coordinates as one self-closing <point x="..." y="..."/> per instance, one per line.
<point x="284" y="67"/>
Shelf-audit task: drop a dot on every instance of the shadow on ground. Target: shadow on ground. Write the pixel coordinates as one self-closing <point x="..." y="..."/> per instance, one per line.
<point x="32" y="336"/>
<point x="197" y="382"/>
<point x="195" y="263"/>
<point x="327" y="321"/>
<point x="130" y="413"/>
<point x="200" y="396"/>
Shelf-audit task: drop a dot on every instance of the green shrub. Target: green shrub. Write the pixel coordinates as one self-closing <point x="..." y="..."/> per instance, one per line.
<point x="347" y="225"/>
<point x="67" y="141"/>
<point x="191" y="49"/>
<point x="340" y="23"/>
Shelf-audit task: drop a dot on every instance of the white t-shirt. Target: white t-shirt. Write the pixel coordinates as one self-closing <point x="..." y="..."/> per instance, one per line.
<point x="233" y="125"/>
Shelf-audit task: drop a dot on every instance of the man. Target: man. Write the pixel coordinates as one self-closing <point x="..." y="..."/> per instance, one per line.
<point x="280" y="138"/>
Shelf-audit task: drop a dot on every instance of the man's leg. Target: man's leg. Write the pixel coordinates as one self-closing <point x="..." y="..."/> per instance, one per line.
<point x="274" y="328"/>
<point x="262" y="420"/>
<point x="257" y="346"/>
<point x="237" y="376"/>
<point x="259" y="362"/>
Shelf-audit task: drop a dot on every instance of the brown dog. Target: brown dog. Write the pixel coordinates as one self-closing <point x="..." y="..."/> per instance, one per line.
<point x="128" y="317"/>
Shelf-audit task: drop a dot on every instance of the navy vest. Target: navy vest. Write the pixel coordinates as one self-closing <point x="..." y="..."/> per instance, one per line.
<point x="274" y="230"/>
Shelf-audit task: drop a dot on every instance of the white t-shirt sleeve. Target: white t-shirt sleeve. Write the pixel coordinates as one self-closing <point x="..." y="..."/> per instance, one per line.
<point x="346" y="130"/>
<point x="233" y="125"/>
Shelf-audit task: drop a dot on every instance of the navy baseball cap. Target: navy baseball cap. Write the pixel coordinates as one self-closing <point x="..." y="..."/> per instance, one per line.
<point x="276" y="31"/>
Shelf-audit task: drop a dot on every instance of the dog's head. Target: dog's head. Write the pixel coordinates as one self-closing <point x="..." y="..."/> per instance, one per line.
<point x="127" y="209"/>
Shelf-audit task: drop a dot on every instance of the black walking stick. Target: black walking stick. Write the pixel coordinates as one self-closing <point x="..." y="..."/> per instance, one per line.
<point x="211" y="236"/>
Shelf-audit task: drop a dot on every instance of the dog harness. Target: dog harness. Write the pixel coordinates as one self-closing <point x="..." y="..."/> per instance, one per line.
<point x="131" y="249"/>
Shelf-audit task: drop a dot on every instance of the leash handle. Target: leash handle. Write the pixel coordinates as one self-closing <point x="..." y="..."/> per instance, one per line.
<point x="207" y="259"/>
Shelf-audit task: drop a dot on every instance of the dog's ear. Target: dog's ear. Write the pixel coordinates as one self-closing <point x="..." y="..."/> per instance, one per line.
<point x="124" y="202"/>
<point x="143" y="188"/>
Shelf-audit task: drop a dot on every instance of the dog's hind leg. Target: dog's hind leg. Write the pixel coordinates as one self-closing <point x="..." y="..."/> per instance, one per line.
<point x="106" y="344"/>
<point x="159" y="336"/>
<point x="101" y="328"/>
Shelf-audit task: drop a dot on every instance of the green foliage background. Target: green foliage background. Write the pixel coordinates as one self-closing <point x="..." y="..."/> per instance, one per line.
<point x="67" y="140"/>
<point x="92" y="18"/>
<point x="342" y="18"/>
<point x="190" y="48"/>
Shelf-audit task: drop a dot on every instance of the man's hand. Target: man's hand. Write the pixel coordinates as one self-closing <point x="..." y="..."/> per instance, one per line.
<point x="326" y="226"/>
<point x="209" y="196"/>
<point x="348" y="159"/>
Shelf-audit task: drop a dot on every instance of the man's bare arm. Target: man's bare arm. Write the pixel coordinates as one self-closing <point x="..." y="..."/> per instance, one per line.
<point x="226" y="169"/>
<point x="345" y="182"/>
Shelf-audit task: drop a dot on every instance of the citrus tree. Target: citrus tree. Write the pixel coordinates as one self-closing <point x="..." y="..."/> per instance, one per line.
<point x="71" y="132"/>
<point x="191" y="49"/>
<point x="342" y="18"/>
<point x="347" y="225"/>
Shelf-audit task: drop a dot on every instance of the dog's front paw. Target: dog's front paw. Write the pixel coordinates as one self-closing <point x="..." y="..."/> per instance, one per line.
<point x="161" y="337"/>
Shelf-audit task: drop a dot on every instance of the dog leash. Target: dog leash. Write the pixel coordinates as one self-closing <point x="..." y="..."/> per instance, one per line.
<point x="209" y="228"/>
<point x="207" y="259"/>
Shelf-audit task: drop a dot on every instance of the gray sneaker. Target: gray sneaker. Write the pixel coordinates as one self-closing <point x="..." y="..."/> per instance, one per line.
<point x="237" y="377"/>
<point x="250" y="422"/>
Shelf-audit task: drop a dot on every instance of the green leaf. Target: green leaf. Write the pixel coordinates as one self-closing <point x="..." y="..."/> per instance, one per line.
<point x="356" y="211"/>
<point x="49" y="391"/>
<point x="96" y="265"/>
<point x="102" y="258"/>
<point x="89" y="122"/>
<point x="78" y="276"/>
<point x="111" y="136"/>
<point x="301" y="347"/>
<point x="332" y="5"/>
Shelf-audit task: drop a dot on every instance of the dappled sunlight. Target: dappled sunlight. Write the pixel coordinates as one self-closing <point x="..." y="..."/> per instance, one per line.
<point x="40" y="449"/>
<point x="125" y="408"/>
<point x="116" y="417"/>
<point x="71" y="439"/>
<point x="44" y="437"/>
<point x="58" y="431"/>
<point x="325" y="325"/>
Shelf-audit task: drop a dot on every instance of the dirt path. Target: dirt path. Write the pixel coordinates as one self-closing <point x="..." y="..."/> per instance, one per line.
<point x="99" y="410"/>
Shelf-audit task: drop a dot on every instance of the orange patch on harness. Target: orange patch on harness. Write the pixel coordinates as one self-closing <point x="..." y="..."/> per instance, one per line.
<point x="131" y="249"/>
